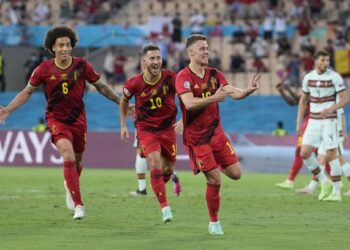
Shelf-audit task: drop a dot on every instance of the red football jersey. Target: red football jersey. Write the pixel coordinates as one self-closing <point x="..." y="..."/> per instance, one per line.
<point x="154" y="103"/>
<point x="64" y="88"/>
<point x="199" y="124"/>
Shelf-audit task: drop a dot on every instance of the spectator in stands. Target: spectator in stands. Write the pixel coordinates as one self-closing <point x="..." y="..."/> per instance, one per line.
<point x="268" y="24"/>
<point x="41" y="12"/>
<point x="307" y="61"/>
<point x="279" y="131"/>
<point x="283" y="45"/>
<point x="29" y="66"/>
<point x="2" y="73"/>
<point x="304" y="28"/>
<point x="237" y="63"/>
<point x="316" y="7"/>
<point x="252" y="32"/>
<point x="103" y="12"/>
<point x="119" y="72"/>
<point x="239" y="34"/>
<point x="293" y="69"/>
<point x="280" y="25"/>
<point x="177" y="29"/>
<point x="197" y="21"/>
<point x="330" y="48"/>
<point x="108" y="66"/>
<point x="259" y="48"/>
<point x="65" y="11"/>
<point x="258" y="65"/>
<point x="298" y="10"/>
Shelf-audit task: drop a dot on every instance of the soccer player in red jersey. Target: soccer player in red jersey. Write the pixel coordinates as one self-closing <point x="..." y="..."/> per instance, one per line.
<point x="64" y="82"/>
<point x="200" y="88"/>
<point x="155" y="109"/>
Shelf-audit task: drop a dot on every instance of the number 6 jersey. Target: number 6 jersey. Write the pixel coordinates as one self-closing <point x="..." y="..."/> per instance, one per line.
<point x="64" y="89"/>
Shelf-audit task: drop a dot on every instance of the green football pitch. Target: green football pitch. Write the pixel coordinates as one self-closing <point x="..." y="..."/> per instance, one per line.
<point x="254" y="214"/>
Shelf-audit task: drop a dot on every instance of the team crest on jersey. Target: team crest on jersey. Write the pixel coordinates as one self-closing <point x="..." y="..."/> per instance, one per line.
<point x="154" y="91"/>
<point x="64" y="76"/>
<point x="204" y="85"/>
<point x="126" y="92"/>
<point x="187" y="85"/>
<point x="53" y="77"/>
<point x="76" y="75"/>
<point x="213" y="82"/>
<point x="196" y="86"/>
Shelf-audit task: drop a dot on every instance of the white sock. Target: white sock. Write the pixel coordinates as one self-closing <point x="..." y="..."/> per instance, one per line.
<point x="346" y="169"/>
<point x="322" y="177"/>
<point x="142" y="184"/>
<point x="312" y="185"/>
<point x="336" y="187"/>
<point x="289" y="181"/>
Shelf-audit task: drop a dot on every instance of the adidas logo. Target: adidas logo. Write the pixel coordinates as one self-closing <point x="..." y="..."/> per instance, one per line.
<point x="53" y="77"/>
<point x="196" y="86"/>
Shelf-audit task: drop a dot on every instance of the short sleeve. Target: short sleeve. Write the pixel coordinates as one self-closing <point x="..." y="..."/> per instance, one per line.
<point x="37" y="77"/>
<point x="338" y="83"/>
<point x="182" y="84"/>
<point x="129" y="89"/>
<point x="221" y="78"/>
<point x="90" y="74"/>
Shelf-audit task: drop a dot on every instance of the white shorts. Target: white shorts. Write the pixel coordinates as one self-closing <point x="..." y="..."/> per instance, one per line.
<point x="135" y="144"/>
<point x="322" y="132"/>
<point x="322" y="151"/>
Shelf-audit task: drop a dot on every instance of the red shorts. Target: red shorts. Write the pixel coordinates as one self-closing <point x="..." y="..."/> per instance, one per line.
<point x="218" y="153"/>
<point x="76" y="134"/>
<point x="161" y="141"/>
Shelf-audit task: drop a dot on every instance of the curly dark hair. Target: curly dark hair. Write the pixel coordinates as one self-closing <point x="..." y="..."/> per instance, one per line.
<point x="57" y="32"/>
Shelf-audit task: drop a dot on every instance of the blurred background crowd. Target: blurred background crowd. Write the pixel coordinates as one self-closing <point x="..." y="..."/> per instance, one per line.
<point x="274" y="37"/>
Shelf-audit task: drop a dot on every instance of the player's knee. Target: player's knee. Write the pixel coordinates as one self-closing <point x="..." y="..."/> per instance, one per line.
<point x="305" y="154"/>
<point x="154" y="163"/>
<point x="68" y="155"/>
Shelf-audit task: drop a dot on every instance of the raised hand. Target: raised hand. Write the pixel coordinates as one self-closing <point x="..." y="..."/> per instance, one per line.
<point x="254" y="84"/>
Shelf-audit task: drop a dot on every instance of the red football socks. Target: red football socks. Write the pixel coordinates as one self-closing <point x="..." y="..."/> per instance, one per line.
<point x="213" y="201"/>
<point x="158" y="186"/>
<point x="72" y="178"/>
<point x="297" y="164"/>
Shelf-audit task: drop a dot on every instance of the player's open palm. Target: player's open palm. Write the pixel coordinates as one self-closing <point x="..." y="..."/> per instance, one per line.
<point x="3" y="115"/>
<point x="124" y="134"/>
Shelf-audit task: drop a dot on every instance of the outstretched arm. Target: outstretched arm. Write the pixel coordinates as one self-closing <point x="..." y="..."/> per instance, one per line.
<point x="192" y="103"/>
<point x="107" y="91"/>
<point x="238" y="93"/>
<point x="21" y="98"/>
<point x="303" y="103"/>
<point x="292" y="98"/>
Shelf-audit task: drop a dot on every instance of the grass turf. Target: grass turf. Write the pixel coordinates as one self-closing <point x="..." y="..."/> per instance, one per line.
<point x="254" y="214"/>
